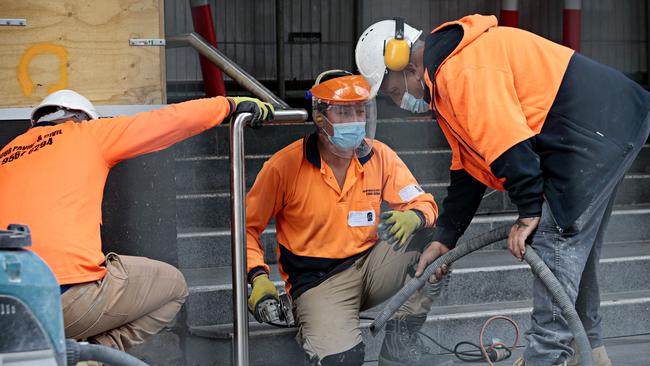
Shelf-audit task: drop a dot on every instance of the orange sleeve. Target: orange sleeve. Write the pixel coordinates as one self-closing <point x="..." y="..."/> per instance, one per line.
<point x="403" y="192"/>
<point x="125" y="137"/>
<point x="486" y="107"/>
<point x="264" y="200"/>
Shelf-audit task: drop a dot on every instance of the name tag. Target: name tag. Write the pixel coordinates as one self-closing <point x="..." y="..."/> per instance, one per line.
<point x="410" y="192"/>
<point x="361" y="218"/>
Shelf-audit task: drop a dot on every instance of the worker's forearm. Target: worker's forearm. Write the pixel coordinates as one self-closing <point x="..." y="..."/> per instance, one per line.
<point x="125" y="137"/>
<point x="520" y="166"/>
<point x="464" y="195"/>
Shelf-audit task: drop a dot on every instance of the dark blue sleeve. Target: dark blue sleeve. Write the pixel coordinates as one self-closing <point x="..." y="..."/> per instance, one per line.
<point x="464" y="195"/>
<point x="520" y="166"/>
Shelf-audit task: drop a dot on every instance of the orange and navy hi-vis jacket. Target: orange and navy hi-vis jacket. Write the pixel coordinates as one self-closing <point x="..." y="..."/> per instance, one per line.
<point x="52" y="178"/>
<point x="322" y="228"/>
<point x="526" y="115"/>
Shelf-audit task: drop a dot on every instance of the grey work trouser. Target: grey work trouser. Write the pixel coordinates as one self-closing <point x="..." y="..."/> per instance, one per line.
<point x="136" y="299"/>
<point x="573" y="257"/>
<point x="328" y="314"/>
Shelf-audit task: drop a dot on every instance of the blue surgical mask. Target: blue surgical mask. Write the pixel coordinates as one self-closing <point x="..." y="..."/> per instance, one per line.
<point x="348" y="135"/>
<point x="411" y="103"/>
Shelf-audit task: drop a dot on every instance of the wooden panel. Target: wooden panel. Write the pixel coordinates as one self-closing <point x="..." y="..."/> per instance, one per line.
<point x="82" y="45"/>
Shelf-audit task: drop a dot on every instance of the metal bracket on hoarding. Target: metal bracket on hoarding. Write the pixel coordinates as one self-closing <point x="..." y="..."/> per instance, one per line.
<point x="14" y="22"/>
<point x="146" y="42"/>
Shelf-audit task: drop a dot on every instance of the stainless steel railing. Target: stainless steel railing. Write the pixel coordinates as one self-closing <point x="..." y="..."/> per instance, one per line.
<point x="238" y="179"/>
<point x="229" y="67"/>
<point x="238" y="227"/>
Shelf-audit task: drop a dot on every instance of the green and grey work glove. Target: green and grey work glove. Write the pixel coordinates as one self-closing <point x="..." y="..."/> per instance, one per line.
<point x="262" y="111"/>
<point x="396" y="227"/>
<point x="263" y="290"/>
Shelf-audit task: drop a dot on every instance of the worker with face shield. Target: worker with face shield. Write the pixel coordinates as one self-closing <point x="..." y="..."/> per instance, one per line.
<point x="325" y="192"/>
<point x="345" y="118"/>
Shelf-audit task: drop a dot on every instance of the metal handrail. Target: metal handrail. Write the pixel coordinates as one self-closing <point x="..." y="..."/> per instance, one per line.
<point x="226" y="65"/>
<point x="238" y="226"/>
<point x="238" y="178"/>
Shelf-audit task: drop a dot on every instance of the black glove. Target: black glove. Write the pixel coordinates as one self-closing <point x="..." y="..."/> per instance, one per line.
<point x="262" y="111"/>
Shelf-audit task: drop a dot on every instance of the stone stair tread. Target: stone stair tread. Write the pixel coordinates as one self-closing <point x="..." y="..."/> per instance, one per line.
<point x="184" y="232"/>
<point x="266" y="156"/>
<point x="219" y="278"/>
<point x="440" y="313"/>
<point x="194" y="194"/>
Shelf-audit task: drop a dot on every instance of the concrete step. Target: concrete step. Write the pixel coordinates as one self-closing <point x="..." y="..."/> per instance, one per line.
<point x="397" y="133"/>
<point x="212" y="172"/>
<point x="200" y="247"/>
<point x="624" y="314"/>
<point x="486" y="276"/>
<point x="212" y="209"/>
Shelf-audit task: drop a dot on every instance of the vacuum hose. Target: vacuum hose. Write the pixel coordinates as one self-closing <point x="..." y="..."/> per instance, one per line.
<point x="77" y="352"/>
<point x="448" y="258"/>
<point x="538" y="268"/>
<point x="553" y="285"/>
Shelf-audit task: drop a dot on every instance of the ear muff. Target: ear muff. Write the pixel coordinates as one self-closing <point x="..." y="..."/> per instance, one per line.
<point x="397" y="50"/>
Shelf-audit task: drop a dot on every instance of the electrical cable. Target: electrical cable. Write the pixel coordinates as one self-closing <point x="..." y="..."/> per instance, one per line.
<point x="496" y="351"/>
<point x="494" y="345"/>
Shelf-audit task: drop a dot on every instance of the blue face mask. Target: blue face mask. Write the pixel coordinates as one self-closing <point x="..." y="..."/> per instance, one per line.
<point x="411" y="103"/>
<point x="348" y="135"/>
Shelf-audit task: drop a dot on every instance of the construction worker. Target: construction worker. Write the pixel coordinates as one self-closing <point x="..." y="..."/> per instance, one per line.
<point x="52" y="179"/>
<point x="325" y="193"/>
<point x="553" y="128"/>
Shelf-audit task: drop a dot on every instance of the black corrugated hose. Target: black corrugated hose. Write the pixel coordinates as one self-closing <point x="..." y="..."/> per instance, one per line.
<point x="77" y="352"/>
<point x="537" y="265"/>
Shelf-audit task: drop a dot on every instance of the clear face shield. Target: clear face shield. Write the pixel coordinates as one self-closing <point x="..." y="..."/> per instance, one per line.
<point x="349" y="128"/>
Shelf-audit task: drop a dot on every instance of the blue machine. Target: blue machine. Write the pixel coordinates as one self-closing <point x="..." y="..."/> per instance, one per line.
<point x="31" y="321"/>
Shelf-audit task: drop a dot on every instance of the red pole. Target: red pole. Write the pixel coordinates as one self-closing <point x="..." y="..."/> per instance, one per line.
<point x="203" y="25"/>
<point x="571" y="24"/>
<point x="509" y="13"/>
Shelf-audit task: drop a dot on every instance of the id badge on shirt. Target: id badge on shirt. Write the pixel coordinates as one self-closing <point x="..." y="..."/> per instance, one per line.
<point x="361" y="218"/>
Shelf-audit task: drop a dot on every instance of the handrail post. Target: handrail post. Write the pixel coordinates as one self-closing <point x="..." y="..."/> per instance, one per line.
<point x="238" y="227"/>
<point x="238" y="239"/>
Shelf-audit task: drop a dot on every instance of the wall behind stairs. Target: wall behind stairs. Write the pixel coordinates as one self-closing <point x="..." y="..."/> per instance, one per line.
<point x="613" y="32"/>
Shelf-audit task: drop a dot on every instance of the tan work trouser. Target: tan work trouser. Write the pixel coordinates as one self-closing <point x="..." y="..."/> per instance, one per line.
<point x="328" y="314"/>
<point x="136" y="299"/>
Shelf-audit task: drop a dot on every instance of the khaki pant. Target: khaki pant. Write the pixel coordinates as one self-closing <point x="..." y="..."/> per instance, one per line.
<point x="136" y="299"/>
<point x="328" y="314"/>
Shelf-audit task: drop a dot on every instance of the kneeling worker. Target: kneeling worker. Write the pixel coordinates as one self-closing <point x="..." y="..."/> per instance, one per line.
<point x="325" y="193"/>
<point x="52" y="178"/>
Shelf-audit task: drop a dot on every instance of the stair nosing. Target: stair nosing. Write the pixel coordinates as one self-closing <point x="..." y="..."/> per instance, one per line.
<point x="482" y="218"/>
<point x="501" y="258"/>
<point x="522" y="307"/>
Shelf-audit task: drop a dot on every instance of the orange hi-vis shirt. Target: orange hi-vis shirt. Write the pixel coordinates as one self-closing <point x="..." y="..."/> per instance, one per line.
<point x="318" y="224"/>
<point x="482" y="108"/>
<point x="52" y="178"/>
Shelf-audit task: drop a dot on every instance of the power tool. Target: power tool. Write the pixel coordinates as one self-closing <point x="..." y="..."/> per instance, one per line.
<point x="278" y="313"/>
<point x="31" y="320"/>
<point x="30" y="307"/>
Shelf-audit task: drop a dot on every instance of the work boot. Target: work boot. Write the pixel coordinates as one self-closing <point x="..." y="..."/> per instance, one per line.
<point x="599" y="354"/>
<point x="403" y="346"/>
<point x="521" y="362"/>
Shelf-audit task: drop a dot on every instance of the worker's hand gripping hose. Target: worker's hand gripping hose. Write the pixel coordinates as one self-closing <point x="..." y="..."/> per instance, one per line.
<point x="77" y="352"/>
<point x="416" y="283"/>
<point x="538" y="267"/>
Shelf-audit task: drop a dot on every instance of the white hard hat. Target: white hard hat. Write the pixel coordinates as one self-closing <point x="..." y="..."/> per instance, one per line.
<point x="369" y="54"/>
<point x="68" y="99"/>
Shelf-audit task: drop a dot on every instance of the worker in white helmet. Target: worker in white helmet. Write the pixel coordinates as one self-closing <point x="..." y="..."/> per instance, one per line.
<point x="52" y="178"/>
<point x="521" y="114"/>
